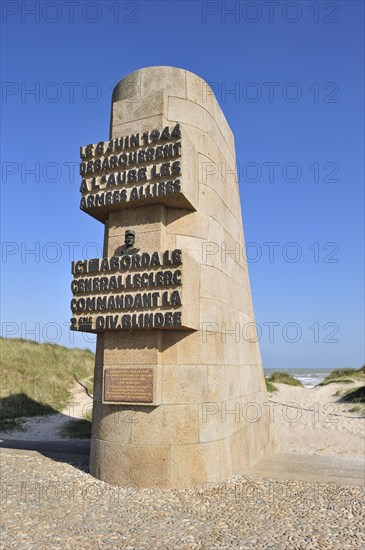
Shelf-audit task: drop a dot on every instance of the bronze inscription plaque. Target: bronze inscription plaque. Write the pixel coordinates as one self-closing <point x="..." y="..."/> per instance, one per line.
<point x="131" y="385"/>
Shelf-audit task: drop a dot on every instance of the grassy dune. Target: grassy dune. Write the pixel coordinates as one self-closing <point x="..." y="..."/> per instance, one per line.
<point x="281" y="378"/>
<point x="354" y="395"/>
<point x="344" y="376"/>
<point x="37" y="378"/>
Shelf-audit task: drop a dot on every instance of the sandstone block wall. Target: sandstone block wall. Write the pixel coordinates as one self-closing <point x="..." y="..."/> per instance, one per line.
<point x="209" y="383"/>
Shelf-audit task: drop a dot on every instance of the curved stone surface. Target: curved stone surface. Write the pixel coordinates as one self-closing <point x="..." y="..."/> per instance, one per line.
<point x="211" y="421"/>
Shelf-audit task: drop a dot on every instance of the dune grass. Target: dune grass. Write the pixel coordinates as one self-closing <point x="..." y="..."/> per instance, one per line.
<point x="344" y="376"/>
<point x="78" y="428"/>
<point x="270" y="386"/>
<point x="283" y="378"/>
<point x="37" y="378"/>
<point x="356" y="396"/>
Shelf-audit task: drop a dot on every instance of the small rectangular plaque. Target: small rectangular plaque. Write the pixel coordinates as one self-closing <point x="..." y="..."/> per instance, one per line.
<point x="128" y="385"/>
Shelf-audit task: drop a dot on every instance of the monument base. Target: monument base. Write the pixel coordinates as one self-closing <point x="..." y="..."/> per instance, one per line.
<point x="178" y="466"/>
<point x="212" y="421"/>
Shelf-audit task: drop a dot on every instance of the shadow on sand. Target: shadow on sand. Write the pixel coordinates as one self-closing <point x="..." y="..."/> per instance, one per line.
<point x="16" y="409"/>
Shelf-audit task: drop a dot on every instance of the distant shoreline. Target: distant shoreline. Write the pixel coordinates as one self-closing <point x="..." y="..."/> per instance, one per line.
<point x="309" y="377"/>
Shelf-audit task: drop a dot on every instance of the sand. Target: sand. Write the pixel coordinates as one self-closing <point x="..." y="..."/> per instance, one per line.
<point x="46" y="428"/>
<point x="314" y="421"/>
<point x="310" y="421"/>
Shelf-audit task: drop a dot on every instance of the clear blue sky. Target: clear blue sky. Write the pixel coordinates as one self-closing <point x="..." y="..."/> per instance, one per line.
<point x="308" y="123"/>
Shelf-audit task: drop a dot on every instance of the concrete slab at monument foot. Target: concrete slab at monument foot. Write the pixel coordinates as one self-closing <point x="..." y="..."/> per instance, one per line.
<point x="179" y="389"/>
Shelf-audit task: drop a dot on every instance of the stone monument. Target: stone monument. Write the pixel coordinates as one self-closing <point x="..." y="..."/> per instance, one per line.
<point x="179" y="389"/>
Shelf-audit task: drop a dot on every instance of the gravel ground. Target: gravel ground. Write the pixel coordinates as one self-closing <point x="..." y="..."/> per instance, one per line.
<point x="58" y="505"/>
